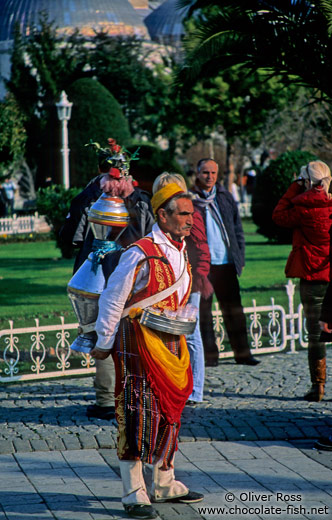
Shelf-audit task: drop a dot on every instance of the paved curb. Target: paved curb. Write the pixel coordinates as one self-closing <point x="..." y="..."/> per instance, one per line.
<point x="252" y="434"/>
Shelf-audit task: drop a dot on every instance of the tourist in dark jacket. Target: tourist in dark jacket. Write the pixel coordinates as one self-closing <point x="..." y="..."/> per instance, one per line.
<point x="306" y="207"/>
<point x="77" y="232"/>
<point x="226" y="246"/>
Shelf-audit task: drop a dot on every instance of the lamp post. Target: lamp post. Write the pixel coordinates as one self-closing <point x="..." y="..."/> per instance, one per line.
<point x="64" y="112"/>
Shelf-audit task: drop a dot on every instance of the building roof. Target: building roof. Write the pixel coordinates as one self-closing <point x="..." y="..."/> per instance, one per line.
<point x="140" y="4"/>
<point x="165" y="23"/>
<point x="112" y="16"/>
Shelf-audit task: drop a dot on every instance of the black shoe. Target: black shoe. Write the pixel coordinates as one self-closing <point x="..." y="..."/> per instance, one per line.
<point x="190" y="498"/>
<point x="101" y="412"/>
<point x="315" y="394"/>
<point x="140" y="511"/>
<point x="211" y="361"/>
<point x="324" y="443"/>
<point x="251" y="361"/>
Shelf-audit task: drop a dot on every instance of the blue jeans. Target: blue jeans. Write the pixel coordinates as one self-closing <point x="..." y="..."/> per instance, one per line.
<point x="196" y="351"/>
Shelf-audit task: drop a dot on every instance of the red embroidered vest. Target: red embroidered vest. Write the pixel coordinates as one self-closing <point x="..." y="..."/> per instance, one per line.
<point x="161" y="276"/>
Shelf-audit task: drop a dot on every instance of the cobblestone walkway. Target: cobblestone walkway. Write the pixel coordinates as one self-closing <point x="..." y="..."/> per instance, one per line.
<point x="248" y="448"/>
<point x="241" y="403"/>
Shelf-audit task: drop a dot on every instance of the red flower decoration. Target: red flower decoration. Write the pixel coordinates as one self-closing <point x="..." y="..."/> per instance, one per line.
<point x="116" y="148"/>
<point x="111" y="142"/>
<point x="115" y="172"/>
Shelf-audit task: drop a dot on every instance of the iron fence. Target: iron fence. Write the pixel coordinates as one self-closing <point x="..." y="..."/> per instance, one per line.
<point x="43" y="351"/>
<point x="26" y="224"/>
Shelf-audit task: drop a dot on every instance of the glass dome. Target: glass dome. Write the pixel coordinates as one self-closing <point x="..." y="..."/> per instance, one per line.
<point x="165" y="23"/>
<point x="113" y="16"/>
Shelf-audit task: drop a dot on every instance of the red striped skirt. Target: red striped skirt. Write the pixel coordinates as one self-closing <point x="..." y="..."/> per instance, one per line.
<point x="143" y="431"/>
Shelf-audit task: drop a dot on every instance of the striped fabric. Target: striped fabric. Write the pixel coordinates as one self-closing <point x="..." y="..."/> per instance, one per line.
<point x="143" y="431"/>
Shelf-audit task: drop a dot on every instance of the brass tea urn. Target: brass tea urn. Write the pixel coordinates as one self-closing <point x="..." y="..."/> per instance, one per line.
<point x="108" y="217"/>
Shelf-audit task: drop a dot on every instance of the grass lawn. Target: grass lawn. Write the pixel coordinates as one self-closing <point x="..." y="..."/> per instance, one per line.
<point x="33" y="279"/>
<point x="264" y="274"/>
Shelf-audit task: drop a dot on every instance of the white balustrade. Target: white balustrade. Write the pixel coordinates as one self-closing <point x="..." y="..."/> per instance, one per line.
<point x="27" y="224"/>
<point x="271" y="329"/>
<point x="37" y="355"/>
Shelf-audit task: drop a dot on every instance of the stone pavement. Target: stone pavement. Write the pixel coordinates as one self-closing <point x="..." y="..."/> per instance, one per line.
<point x="248" y="447"/>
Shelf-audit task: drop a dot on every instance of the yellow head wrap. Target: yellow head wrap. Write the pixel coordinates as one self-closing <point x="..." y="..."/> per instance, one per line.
<point x="164" y="194"/>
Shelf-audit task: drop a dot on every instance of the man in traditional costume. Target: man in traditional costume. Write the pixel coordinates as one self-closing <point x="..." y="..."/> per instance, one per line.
<point x="153" y="372"/>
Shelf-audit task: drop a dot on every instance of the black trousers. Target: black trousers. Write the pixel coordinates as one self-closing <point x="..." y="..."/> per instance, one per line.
<point x="226" y="287"/>
<point x="312" y="296"/>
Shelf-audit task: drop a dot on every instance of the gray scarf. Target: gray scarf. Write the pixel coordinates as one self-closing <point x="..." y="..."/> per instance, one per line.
<point x="210" y="204"/>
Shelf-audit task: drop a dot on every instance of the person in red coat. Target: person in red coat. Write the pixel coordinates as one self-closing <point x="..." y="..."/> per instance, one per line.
<point x="306" y="207"/>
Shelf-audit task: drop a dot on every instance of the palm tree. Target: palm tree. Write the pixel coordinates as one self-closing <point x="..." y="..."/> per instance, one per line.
<point x="288" y="38"/>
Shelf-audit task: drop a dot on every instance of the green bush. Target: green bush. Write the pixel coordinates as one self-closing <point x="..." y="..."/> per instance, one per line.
<point x="96" y="115"/>
<point x="53" y="202"/>
<point x="152" y="161"/>
<point x="12" y="134"/>
<point x="271" y="184"/>
<point x="25" y="237"/>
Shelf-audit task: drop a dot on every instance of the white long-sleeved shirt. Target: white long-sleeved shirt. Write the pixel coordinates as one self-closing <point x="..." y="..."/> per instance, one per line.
<point x="113" y="298"/>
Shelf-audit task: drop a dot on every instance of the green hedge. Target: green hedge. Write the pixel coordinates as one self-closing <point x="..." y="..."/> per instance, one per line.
<point x="152" y="161"/>
<point x="53" y="202"/>
<point x="25" y="237"/>
<point x="96" y="115"/>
